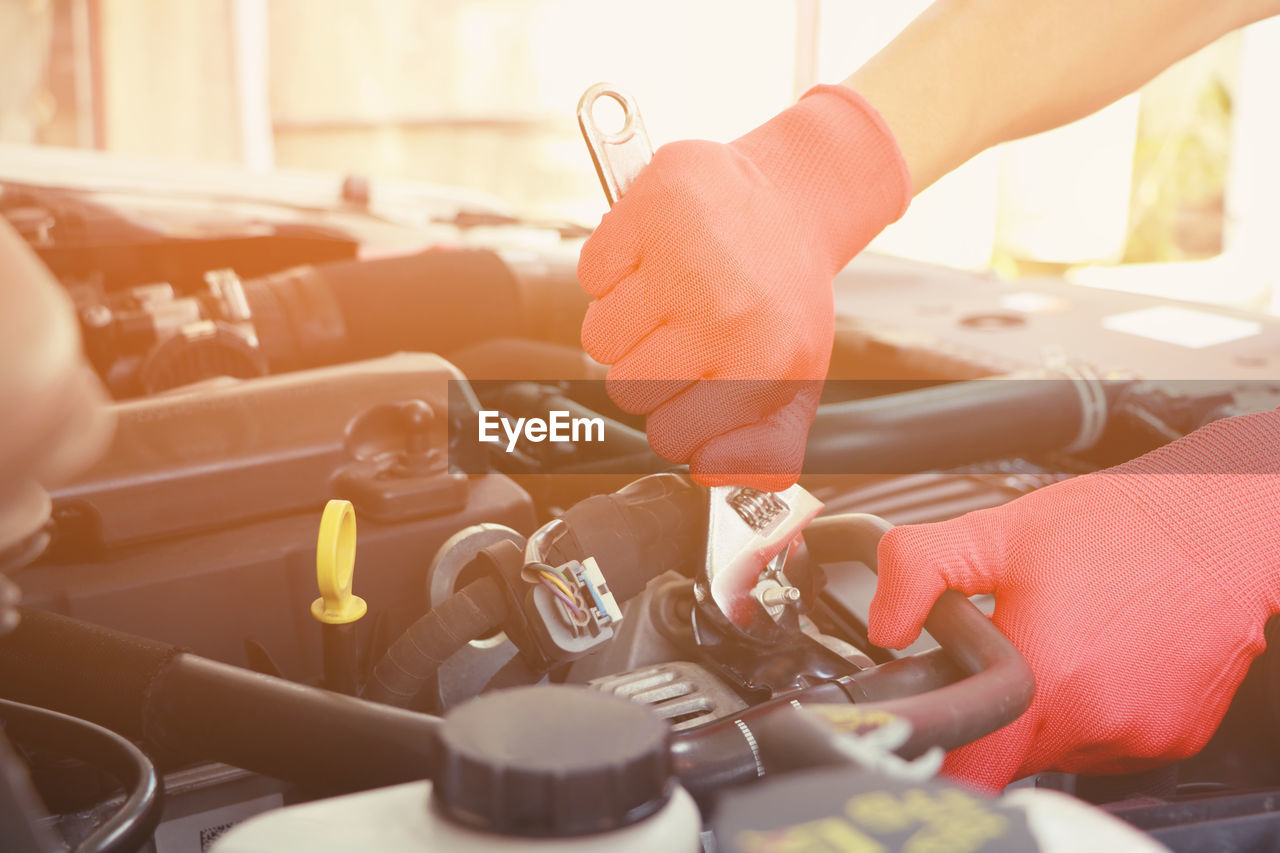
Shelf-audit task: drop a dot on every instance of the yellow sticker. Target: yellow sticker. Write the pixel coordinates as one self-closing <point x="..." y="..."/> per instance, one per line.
<point x="828" y="835"/>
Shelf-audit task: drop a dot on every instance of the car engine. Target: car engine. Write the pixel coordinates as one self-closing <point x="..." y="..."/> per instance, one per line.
<point x="311" y="492"/>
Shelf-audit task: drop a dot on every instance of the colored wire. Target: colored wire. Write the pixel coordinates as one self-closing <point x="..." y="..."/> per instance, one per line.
<point x="556" y="579"/>
<point x="532" y="570"/>
<point x="570" y="604"/>
<point x="577" y="611"/>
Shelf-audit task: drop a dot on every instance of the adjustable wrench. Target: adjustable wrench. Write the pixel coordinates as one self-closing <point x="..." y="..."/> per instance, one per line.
<point x="749" y="532"/>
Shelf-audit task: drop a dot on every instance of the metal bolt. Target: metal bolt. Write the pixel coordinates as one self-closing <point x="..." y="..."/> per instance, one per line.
<point x="779" y="596"/>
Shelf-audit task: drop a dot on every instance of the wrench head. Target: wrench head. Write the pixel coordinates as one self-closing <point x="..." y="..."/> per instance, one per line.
<point x="749" y="531"/>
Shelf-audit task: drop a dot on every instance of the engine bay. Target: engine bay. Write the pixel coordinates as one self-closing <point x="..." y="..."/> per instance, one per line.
<point x="303" y="386"/>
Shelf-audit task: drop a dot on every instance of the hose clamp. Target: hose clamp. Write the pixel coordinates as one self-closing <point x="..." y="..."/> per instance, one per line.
<point x="1093" y="403"/>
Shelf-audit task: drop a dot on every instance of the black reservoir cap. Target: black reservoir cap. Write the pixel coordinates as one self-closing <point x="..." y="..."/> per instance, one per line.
<point x="552" y="760"/>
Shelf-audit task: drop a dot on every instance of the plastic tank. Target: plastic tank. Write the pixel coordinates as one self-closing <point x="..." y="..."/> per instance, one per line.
<point x="402" y="818"/>
<point x="532" y="768"/>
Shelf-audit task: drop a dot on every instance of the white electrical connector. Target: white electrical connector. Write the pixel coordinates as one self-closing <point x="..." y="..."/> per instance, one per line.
<point x="567" y="632"/>
<point x="598" y="588"/>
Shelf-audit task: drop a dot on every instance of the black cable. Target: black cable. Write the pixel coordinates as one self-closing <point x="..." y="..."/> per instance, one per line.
<point x="136" y="819"/>
<point x="24" y="824"/>
<point x="415" y="657"/>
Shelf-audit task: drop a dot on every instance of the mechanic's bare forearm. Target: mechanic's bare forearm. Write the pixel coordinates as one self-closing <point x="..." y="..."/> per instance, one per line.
<point x="969" y="74"/>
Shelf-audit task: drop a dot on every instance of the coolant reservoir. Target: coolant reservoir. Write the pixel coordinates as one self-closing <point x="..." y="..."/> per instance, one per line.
<point x="536" y="768"/>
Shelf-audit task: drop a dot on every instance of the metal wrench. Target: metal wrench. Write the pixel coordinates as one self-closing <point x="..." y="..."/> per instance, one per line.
<point x="749" y="532"/>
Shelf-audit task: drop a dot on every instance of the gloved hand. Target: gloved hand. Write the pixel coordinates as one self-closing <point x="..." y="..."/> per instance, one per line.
<point x="712" y="282"/>
<point x="1138" y="595"/>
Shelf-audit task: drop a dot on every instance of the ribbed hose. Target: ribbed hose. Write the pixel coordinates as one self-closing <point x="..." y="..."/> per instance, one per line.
<point x="414" y="658"/>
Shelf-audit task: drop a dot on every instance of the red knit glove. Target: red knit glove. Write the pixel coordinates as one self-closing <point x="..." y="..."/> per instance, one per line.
<point x="717" y="266"/>
<point x="1138" y="595"/>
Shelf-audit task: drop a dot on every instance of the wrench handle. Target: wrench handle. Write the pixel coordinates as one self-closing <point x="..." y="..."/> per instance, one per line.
<point x="619" y="156"/>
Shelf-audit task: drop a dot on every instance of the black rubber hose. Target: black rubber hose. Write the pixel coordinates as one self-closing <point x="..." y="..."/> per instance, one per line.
<point x="323" y="741"/>
<point x="936" y="428"/>
<point x="131" y="826"/>
<point x="526" y="399"/>
<point x="476" y="610"/>
<point x="907" y="676"/>
<point x="998" y="686"/>
<point x="192" y="708"/>
<point x="949" y="425"/>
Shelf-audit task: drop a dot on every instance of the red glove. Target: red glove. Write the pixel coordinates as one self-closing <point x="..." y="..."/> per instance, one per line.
<point x="1138" y="595"/>
<point x="717" y="266"/>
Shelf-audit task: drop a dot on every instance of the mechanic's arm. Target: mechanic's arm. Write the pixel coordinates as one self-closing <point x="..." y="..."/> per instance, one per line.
<point x="712" y="276"/>
<point x="969" y="74"/>
<point x="1138" y="594"/>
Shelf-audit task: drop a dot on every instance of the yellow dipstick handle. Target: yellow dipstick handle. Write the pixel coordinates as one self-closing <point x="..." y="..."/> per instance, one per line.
<point x="335" y="566"/>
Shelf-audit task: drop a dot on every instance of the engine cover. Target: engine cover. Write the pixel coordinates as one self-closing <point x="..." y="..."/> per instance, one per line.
<point x="199" y="525"/>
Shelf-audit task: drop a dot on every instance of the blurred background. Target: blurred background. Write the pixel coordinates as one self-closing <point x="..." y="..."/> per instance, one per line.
<point x="1173" y="191"/>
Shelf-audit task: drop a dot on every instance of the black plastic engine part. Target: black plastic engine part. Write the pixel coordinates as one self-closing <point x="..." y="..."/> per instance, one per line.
<point x="1247" y="822"/>
<point x="241" y="451"/>
<point x="644" y="530"/>
<point x="651" y="526"/>
<point x="552" y="761"/>
<point x="936" y="495"/>
<point x="789" y="660"/>
<point x="189" y="708"/>
<point x="208" y="502"/>
<point x="684" y="694"/>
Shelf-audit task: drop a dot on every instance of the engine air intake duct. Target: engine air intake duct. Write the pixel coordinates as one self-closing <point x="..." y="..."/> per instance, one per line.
<point x="434" y="301"/>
